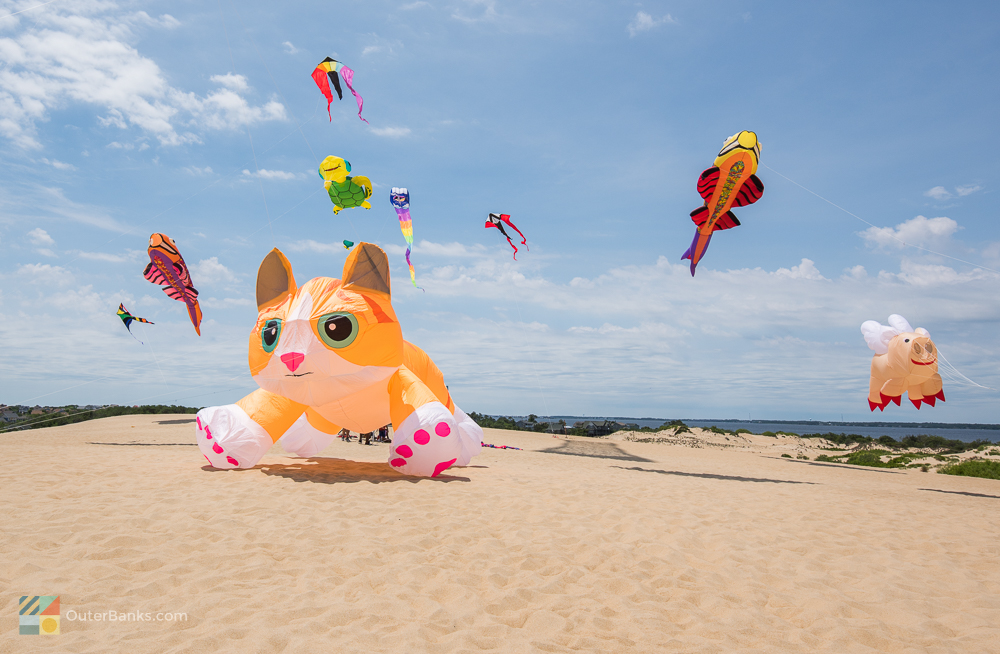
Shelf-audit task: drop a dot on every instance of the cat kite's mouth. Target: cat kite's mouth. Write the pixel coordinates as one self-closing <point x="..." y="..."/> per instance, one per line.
<point x="303" y="374"/>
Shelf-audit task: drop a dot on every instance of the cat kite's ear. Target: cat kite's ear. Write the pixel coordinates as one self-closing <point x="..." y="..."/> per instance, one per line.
<point x="274" y="280"/>
<point x="367" y="270"/>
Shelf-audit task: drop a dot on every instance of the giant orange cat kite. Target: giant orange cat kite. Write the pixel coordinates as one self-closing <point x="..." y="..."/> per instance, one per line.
<point x="330" y="355"/>
<point x="730" y="182"/>
<point x="905" y="361"/>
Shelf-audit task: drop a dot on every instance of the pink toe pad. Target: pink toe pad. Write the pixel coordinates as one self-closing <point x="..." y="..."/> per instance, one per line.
<point x="421" y="437"/>
<point x="397" y="463"/>
<point x="232" y="461"/>
<point x="441" y="467"/>
<point x="216" y="448"/>
<point x="442" y="429"/>
<point x="404" y="450"/>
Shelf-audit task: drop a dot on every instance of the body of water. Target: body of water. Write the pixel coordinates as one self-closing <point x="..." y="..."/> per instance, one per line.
<point x="965" y="433"/>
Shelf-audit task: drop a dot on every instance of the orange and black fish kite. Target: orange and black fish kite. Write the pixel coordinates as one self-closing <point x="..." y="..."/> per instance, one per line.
<point x="731" y="182"/>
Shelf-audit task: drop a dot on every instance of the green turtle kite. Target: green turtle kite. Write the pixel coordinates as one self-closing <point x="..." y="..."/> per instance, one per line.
<point x="345" y="192"/>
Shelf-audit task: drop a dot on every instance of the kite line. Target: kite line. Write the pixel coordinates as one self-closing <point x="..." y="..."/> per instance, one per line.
<point x="892" y="236"/>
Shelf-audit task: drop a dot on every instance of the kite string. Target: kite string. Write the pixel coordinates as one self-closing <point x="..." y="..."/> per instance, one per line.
<point x="260" y="181"/>
<point x="892" y="236"/>
<point x="545" y="402"/>
<point x="153" y="354"/>
<point x="28" y="9"/>
<point x="954" y="374"/>
<point x="273" y="81"/>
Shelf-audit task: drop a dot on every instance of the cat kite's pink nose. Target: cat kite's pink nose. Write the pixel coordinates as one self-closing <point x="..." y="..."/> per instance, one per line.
<point x="292" y="360"/>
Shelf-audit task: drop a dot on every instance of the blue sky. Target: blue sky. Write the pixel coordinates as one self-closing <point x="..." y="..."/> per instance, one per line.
<point x="588" y="122"/>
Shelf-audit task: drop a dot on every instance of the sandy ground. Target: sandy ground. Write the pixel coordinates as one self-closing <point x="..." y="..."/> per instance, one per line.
<point x="566" y="545"/>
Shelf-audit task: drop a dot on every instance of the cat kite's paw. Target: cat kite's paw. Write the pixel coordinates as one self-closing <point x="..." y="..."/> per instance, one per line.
<point x="229" y="438"/>
<point x="302" y="439"/>
<point x="427" y="443"/>
<point x="471" y="435"/>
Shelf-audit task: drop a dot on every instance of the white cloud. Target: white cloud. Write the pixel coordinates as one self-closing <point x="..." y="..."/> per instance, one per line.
<point x="195" y="170"/>
<point x="446" y="250"/>
<point x="485" y="11"/>
<point x="225" y="303"/>
<point x="39" y="236"/>
<point x="264" y="173"/>
<point x="289" y="48"/>
<point x="46" y="274"/>
<point x="805" y="270"/>
<point x="46" y="252"/>
<point x="391" y="132"/>
<point x="309" y="245"/>
<point x="921" y="231"/>
<point x="968" y="189"/>
<point x="940" y="193"/>
<point x="643" y="22"/>
<point x="59" y="164"/>
<point x="132" y="256"/>
<point x="415" y="5"/>
<point x="210" y="271"/>
<point x="232" y="82"/>
<point x="88" y="57"/>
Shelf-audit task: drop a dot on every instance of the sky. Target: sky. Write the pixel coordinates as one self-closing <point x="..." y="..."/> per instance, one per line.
<point x="587" y="122"/>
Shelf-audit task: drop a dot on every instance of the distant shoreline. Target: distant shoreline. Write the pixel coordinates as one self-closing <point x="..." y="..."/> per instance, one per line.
<point x="818" y="423"/>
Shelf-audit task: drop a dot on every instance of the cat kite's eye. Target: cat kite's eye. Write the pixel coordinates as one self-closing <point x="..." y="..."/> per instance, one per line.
<point x="269" y="335"/>
<point x="337" y="329"/>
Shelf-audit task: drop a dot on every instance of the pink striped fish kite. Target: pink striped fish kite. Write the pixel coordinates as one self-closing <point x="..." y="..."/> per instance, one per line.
<point x="326" y="74"/>
<point x="166" y="268"/>
<point x="400" y="199"/>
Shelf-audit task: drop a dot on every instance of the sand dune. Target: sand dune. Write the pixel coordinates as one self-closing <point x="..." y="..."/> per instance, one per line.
<point x="566" y="545"/>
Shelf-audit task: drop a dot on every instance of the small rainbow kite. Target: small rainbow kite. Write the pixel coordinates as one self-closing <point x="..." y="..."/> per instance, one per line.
<point x="400" y="199"/>
<point x="128" y="319"/>
<point x="327" y="70"/>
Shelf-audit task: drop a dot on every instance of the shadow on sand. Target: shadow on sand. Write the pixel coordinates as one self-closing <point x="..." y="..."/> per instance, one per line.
<point x="706" y="475"/>
<point x="936" y="490"/>
<point x="595" y="450"/>
<point x="340" y="471"/>
<point x="181" y="421"/>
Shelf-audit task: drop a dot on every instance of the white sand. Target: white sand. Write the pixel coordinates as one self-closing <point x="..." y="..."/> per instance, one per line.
<point x="559" y="547"/>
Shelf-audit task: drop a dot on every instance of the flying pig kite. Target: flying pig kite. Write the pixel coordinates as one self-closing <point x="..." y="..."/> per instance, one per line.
<point x="167" y="268"/>
<point x="128" y="319"/>
<point x="345" y="192"/>
<point x="905" y="361"/>
<point x="730" y="182"/>
<point x="497" y="220"/>
<point x="326" y="74"/>
<point x="400" y="199"/>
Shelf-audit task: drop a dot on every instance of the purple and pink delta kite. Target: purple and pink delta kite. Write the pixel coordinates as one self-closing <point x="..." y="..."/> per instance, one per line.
<point x="327" y="70"/>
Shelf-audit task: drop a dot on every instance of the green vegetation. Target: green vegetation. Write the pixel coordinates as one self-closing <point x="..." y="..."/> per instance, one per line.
<point x="742" y="431"/>
<point x="70" y="415"/>
<point x="507" y="422"/>
<point x="923" y="441"/>
<point x="786" y="456"/>
<point x="873" y="458"/>
<point x="984" y="469"/>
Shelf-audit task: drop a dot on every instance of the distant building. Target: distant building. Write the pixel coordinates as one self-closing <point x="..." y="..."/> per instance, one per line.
<point x="9" y="416"/>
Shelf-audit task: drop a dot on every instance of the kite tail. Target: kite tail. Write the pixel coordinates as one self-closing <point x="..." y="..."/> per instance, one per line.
<point x="348" y="76"/>
<point x="413" y="273"/>
<point x="524" y="241"/>
<point x="512" y="245"/>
